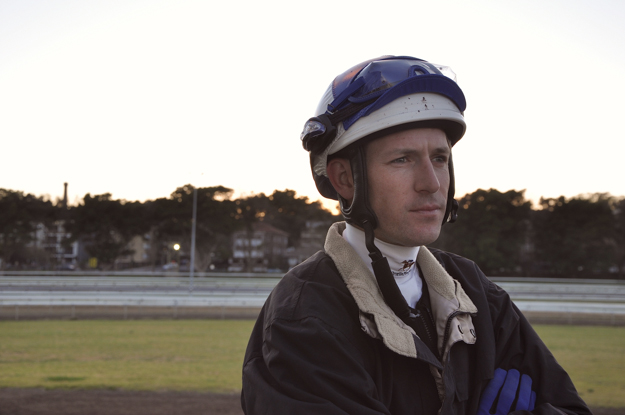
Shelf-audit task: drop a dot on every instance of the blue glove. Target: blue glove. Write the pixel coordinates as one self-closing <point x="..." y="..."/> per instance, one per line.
<point x="505" y="385"/>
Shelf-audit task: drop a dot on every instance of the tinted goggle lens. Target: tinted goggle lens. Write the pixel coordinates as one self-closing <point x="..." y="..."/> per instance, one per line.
<point x="381" y="75"/>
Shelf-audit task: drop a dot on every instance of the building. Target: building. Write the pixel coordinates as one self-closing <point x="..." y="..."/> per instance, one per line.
<point x="54" y="241"/>
<point x="311" y="240"/>
<point x="138" y="252"/>
<point x="262" y="248"/>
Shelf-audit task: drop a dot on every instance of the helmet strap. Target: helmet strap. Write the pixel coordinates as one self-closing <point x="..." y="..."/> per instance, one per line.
<point x="451" y="209"/>
<point x="383" y="275"/>
<point x="360" y="213"/>
<point x="359" y="210"/>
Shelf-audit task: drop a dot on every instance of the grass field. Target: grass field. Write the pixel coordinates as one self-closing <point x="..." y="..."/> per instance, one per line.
<point x="202" y="355"/>
<point x="594" y="357"/>
<point x="206" y="355"/>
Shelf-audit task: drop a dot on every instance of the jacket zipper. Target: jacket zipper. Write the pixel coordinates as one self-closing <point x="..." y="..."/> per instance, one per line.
<point x="448" y="330"/>
<point x="445" y="340"/>
<point x="432" y="343"/>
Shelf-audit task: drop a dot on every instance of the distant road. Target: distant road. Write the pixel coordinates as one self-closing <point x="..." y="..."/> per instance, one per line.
<point x="251" y="290"/>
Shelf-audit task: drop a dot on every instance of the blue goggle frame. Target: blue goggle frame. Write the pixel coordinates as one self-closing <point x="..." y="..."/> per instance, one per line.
<point x="371" y="85"/>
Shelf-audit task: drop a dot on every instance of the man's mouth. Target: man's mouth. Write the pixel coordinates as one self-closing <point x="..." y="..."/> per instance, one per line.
<point x="427" y="208"/>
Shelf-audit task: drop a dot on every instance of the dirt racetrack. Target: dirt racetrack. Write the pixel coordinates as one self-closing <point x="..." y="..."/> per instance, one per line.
<point x="110" y="402"/>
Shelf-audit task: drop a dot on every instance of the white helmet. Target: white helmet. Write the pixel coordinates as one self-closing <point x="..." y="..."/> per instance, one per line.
<point x="377" y="96"/>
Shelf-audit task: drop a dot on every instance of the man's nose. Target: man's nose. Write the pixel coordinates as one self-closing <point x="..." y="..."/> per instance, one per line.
<point x="426" y="178"/>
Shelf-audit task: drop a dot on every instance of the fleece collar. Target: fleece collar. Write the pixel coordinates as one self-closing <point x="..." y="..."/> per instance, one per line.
<point x="401" y="259"/>
<point x="448" y="299"/>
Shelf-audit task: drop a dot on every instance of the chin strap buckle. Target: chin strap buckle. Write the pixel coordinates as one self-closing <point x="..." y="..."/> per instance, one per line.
<point x="453" y="214"/>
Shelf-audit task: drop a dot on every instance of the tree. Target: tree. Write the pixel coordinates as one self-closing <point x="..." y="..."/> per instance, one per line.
<point x="19" y="216"/>
<point x="249" y="211"/>
<point x="106" y="226"/>
<point x="492" y="229"/>
<point x="215" y="223"/>
<point x="171" y="220"/>
<point x="290" y="213"/>
<point x="578" y="236"/>
<point x="282" y="210"/>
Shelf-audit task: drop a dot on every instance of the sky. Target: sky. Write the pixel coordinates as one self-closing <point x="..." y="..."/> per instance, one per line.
<point x="136" y="98"/>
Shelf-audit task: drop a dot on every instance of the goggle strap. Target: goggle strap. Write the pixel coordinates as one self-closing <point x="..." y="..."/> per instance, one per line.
<point x="347" y="112"/>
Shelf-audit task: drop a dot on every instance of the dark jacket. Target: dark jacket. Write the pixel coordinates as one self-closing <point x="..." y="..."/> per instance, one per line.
<point x="327" y="343"/>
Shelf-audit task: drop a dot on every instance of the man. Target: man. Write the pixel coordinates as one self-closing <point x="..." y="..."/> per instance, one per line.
<point x="377" y="323"/>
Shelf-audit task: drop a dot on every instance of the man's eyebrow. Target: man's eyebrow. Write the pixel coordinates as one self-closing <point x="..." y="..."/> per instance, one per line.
<point x="409" y="151"/>
<point x="442" y="149"/>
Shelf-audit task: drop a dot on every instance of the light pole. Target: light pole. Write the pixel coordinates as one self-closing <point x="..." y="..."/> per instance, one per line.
<point x="177" y="249"/>
<point x="193" y="220"/>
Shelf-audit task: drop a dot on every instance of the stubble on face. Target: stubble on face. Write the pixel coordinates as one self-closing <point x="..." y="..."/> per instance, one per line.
<point x="408" y="175"/>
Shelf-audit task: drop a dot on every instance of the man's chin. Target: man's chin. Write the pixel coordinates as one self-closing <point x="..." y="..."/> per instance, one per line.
<point x="417" y="237"/>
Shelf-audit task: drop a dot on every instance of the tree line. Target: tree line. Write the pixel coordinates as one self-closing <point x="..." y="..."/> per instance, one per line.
<point x="105" y="226"/>
<point x="582" y="236"/>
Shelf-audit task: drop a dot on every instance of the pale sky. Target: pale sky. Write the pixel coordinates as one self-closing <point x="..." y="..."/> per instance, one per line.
<point x="139" y="97"/>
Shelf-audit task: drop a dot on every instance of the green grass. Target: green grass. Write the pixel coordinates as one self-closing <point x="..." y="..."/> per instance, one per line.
<point x="202" y="355"/>
<point x="206" y="355"/>
<point x="594" y="357"/>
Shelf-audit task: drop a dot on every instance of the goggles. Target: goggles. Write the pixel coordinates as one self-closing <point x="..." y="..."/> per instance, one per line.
<point x="374" y="84"/>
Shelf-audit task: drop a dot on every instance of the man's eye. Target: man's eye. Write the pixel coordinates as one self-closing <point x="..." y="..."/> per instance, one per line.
<point x="400" y="160"/>
<point x="441" y="159"/>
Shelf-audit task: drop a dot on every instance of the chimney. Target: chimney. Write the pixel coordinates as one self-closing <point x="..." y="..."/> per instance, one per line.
<point x="65" y="196"/>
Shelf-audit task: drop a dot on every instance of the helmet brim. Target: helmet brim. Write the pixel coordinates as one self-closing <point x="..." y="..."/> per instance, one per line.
<point x="424" y="109"/>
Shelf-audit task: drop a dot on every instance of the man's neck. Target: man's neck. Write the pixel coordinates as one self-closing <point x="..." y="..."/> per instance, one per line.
<point x="401" y="259"/>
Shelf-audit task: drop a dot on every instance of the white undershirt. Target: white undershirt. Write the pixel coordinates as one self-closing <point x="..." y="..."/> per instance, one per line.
<point x="402" y="260"/>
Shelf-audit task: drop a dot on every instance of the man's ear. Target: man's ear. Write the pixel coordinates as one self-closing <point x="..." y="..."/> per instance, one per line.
<point x="340" y="175"/>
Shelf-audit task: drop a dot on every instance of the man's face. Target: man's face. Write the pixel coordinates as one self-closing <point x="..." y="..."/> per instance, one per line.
<point x="408" y="174"/>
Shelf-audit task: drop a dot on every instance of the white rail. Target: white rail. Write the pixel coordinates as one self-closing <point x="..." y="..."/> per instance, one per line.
<point x="227" y="290"/>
